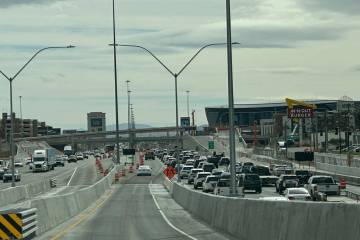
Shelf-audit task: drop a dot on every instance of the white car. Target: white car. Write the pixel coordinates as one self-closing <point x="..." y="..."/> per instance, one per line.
<point x="300" y="194"/>
<point x="200" y="178"/>
<point x="280" y="198"/>
<point x="210" y="183"/>
<point x="28" y="161"/>
<point x="185" y="171"/>
<point x="18" y="164"/>
<point x="222" y="187"/>
<point x="144" y="170"/>
<point x="79" y="156"/>
<point x="65" y="157"/>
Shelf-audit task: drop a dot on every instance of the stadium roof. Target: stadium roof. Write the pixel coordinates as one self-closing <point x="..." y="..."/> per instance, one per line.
<point x="276" y="104"/>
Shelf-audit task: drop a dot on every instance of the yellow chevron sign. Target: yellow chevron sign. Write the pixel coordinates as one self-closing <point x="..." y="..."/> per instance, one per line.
<point x="10" y="226"/>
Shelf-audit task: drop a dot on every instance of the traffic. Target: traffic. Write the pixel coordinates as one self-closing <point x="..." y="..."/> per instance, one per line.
<point x="211" y="174"/>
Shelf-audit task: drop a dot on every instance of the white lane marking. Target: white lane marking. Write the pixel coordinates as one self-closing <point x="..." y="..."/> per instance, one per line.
<point x="72" y="177"/>
<point x="167" y="220"/>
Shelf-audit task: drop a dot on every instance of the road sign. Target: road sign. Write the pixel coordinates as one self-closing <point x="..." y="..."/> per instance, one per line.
<point x="300" y="113"/>
<point x="211" y="145"/>
<point x="169" y="172"/>
<point x="185" y="122"/>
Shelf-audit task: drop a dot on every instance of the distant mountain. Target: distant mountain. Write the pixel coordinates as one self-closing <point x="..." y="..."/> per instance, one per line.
<point x="123" y="126"/>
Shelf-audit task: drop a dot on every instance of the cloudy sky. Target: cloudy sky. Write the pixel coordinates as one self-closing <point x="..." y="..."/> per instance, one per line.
<point x="303" y="49"/>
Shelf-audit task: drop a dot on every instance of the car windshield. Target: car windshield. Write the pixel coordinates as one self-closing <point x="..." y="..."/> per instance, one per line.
<point x="322" y="180"/>
<point x="290" y="177"/>
<point x="186" y="168"/>
<point x="302" y="172"/>
<point x="211" y="179"/>
<point x="223" y="183"/>
<point x="262" y="171"/>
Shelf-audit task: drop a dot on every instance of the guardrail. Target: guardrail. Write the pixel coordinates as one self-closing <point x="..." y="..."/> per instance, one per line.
<point x="352" y="195"/>
<point x="18" y="224"/>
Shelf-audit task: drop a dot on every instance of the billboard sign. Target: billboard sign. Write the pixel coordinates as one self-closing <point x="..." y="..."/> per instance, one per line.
<point x="300" y="113"/>
<point x="185" y="121"/>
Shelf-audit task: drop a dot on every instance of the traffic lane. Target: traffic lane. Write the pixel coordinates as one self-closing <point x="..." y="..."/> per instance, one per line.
<point x="180" y="218"/>
<point x="129" y="214"/>
<point x="29" y="177"/>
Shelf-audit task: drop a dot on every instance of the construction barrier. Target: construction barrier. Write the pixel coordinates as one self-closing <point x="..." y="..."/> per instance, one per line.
<point x="53" y="182"/>
<point x="18" y="224"/>
<point x="342" y="183"/>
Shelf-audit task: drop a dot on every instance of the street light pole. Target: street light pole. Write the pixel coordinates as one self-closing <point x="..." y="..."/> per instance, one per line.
<point x="21" y="119"/>
<point x="175" y="75"/>
<point x="187" y="102"/>
<point x="11" y="79"/>
<point x="129" y="119"/>
<point x="233" y="188"/>
<point x="116" y="88"/>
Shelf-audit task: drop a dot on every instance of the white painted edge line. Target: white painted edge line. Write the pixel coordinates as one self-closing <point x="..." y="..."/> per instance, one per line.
<point x="167" y="220"/>
<point x="72" y="177"/>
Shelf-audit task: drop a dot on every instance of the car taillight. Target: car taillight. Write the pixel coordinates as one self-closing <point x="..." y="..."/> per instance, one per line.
<point x="291" y="198"/>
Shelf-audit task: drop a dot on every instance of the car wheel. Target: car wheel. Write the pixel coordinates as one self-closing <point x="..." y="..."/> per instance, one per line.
<point x="259" y="190"/>
<point x="195" y="186"/>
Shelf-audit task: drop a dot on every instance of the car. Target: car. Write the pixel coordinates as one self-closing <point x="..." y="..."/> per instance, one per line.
<point x="190" y="162"/>
<point x="208" y="167"/>
<point x="279" y="198"/>
<point x="184" y="172"/>
<point x="286" y="181"/>
<point x="144" y="170"/>
<point x="249" y="181"/>
<point x="300" y="194"/>
<point x="303" y="176"/>
<point x="28" y="161"/>
<point x="222" y="187"/>
<point x="59" y="161"/>
<point x="65" y="157"/>
<point x="265" y="175"/>
<point x="8" y="176"/>
<point x="79" y="156"/>
<point x="201" y="164"/>
<point x="282" y="170"/>
<point x="192" y="174"/>
<point x="2" y="172"/>
<point x="149" y="155"/>
<point x="72" y="158"/>
<point x="224" y="161"/>
<point x="217" y="172"/>
<point x="210" y="183"/>
<point x="18" y="164"/>
<point x="200" y="178"/>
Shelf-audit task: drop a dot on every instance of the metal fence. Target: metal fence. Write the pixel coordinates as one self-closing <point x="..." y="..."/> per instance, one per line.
<point x="337" y="159"/>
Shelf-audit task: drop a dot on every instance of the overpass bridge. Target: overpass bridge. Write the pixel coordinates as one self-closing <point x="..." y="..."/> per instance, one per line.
<point x="161" y="134"/>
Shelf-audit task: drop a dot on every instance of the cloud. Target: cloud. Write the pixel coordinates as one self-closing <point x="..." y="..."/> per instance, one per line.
<point x="341" y="6"/>
<point x="11" y="3"/>
<point x="290" y="70"/>
<point x="355" y="68"/>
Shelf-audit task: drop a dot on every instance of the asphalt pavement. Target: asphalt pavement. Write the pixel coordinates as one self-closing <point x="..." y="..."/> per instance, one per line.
<point x="137" y="210"/>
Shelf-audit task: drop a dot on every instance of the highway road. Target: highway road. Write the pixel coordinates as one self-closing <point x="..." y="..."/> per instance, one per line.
<point x="140" y="208"/>
<point x="268" y="191"/>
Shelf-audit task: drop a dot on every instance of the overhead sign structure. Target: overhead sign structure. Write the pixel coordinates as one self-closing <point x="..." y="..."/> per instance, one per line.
<point x="300" y="113"/>
<point x="185" y="121"/>
<point x="211" y="144"/>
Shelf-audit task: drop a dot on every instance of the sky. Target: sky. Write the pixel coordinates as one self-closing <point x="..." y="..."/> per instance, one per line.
<point x="302" y="49"/>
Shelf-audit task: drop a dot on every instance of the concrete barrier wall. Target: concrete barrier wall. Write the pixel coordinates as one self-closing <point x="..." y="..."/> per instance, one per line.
<point x="25" y="192"/>
<point x="340" y="170"/>
<point x="55" y="210"/>
<point x="251" y="219"/>
<point x="338" y="164"/>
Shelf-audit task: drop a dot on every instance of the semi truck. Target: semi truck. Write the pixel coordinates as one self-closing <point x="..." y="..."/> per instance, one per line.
<point x="44" y="160"/>
<point x="68" y="150"/>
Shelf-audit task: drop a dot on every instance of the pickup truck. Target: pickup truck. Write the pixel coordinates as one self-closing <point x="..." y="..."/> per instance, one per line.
<point x="323" y="184"/>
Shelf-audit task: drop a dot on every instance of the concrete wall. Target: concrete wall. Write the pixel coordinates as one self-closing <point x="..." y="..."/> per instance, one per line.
<point x="25" y="192"/>
<point x="250" y="219"/>
<point x="55" y="210"/>
<point x="338" y="164"/>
